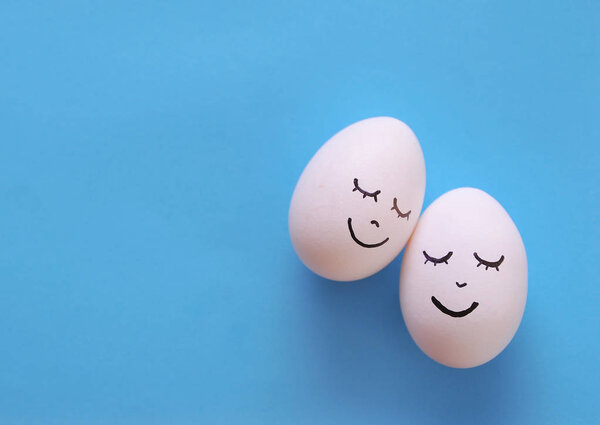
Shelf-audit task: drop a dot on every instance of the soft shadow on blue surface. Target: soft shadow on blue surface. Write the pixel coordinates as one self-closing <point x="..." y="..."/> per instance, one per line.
<point x="361" y="346"/>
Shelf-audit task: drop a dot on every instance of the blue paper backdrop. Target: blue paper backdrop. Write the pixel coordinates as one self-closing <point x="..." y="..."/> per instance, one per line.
<point x="148" y="153"/>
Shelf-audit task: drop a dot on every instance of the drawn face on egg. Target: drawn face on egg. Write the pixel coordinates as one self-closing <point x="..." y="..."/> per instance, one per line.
<point x="356" y="203"/>
<point x="463" y="282"/>
<point x="373" y="195"/>
<point x="444" y="260"/>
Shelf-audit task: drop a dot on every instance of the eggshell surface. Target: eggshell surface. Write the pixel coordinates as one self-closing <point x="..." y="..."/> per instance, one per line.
<point x="358" y="199"/>
<point x="463" y="279"/>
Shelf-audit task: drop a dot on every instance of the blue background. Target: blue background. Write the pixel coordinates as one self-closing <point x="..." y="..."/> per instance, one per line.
<point x="148" y="153"/>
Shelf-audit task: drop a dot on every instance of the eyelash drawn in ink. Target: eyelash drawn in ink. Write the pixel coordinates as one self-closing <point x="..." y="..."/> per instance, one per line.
<point x="400" y="214"/>
<point x="364" y="192"/>
<point x="436" y="261"/>
<point x="488" y="264"/>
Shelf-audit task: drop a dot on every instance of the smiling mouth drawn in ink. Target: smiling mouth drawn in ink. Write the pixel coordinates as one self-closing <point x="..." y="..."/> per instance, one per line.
<point x="441" y="307"/>
<point x="358" y="241"/>
<point x="365" y="194"/>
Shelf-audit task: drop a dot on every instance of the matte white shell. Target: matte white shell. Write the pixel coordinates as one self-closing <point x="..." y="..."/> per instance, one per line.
<point x="464" y="221"/>
<point x="384" y="155"/>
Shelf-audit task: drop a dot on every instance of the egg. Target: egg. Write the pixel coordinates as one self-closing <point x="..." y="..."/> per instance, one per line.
<point x="463" y="279"/>
<point x="358" y="199"/>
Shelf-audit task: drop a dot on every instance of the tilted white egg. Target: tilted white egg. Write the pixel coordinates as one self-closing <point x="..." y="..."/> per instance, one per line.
<point x="358" y="199"/>
<point x="463" y="280"/>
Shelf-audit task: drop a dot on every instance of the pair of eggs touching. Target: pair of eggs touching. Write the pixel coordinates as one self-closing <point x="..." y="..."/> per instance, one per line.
<point x="463" y="278"/>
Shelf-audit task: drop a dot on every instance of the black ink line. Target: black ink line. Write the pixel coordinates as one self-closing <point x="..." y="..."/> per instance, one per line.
<point x="364" y="192"/>
<point x="400" y="214"/>
<point x="452" y="313"/>
<point x="364" y="245"/>
<point x="487" y="264"/>
<point x="437" y="261"/>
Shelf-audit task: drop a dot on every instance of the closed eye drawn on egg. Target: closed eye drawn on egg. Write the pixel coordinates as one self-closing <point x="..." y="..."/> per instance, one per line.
<point x="364" y="192"/>
<point x="436" y="261"/>
<point x="400" y="214"/>
<point x="487" y="264"/>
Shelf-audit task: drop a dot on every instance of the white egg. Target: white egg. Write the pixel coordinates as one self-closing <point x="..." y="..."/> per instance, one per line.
<point x="358" y="199"/>
<point x="463" y="280"/>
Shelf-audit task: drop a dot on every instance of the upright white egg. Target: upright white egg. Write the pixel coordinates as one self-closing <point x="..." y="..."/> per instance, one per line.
<point x="358" y="199"/>
<point x="463" y="281"/>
